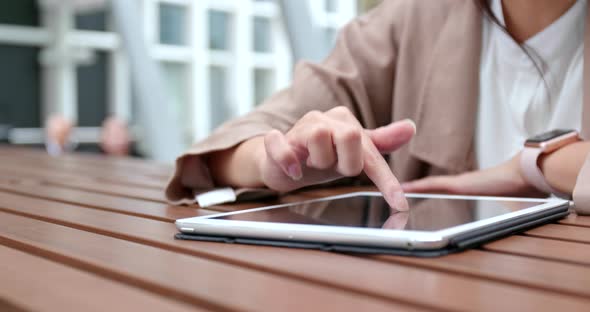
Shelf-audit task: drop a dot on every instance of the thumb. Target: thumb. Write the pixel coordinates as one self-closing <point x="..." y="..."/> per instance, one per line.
<point x="391" y="137"/>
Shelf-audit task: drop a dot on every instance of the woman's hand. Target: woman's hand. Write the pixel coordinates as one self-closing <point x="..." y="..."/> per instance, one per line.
<point x="322" y="147"/>
<point x="502" y="180"/>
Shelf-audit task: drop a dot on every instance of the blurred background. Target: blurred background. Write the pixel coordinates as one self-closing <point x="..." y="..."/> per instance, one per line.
<point x="154" y="75"/>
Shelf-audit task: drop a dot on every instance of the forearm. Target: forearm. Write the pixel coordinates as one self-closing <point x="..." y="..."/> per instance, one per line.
<point x="238" y="166"/>
<point x="561" y="168"/>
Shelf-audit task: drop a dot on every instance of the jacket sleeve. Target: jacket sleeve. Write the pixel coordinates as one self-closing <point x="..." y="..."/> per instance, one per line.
<point x="357" y="74"/>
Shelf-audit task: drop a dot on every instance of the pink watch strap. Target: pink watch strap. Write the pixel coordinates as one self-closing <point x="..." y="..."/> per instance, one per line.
<point x="533" y="174"/>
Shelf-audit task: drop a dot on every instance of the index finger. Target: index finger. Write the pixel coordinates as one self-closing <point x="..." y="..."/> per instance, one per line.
<point x="379" y="172"/>
<point x="396" y="221"/>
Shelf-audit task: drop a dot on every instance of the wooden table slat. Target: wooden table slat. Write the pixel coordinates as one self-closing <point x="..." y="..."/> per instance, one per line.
<point x="577" y="234"/>
<point x="574" y="219"/>
<point x="87" y="159"/>
<point x="35" y="284"/>
<point x="72" y="162"/>
<point x="130" y="191"/>
<point x="69" y="165"/>
<point x="526" y="271"/>
<point x="556" y="250"/>
<point x="38" y="171"/>
<point x="115" y="204"/>
<point x="87" y="184"/>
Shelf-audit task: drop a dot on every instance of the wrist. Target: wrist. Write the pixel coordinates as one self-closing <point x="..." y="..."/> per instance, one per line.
<point x="516" y="162"/>
<point x="237" y="166"/>
<point x="537" y="150"/>
<point x="259" y="154"/>
<point x="561" y="168"/>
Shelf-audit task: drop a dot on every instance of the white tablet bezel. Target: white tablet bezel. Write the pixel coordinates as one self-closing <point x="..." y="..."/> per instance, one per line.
<point x="407" y="239"/>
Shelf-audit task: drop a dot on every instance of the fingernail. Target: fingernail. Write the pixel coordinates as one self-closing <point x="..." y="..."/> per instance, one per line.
<point x="412" y="123"/>
<point x="294" y="172"/>
<point x="401" y="204"/>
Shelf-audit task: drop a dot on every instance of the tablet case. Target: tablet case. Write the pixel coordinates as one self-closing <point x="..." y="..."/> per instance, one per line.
<point x="459" y="243"/>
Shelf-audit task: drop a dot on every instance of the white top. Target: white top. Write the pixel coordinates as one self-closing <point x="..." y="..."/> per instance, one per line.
<point x="514" y="101"/>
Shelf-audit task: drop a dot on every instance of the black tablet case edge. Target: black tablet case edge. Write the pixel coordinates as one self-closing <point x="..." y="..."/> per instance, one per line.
<point x="461" y="243"/>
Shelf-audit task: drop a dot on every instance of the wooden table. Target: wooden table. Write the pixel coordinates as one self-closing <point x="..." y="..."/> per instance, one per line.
<point x="91" y="233"/>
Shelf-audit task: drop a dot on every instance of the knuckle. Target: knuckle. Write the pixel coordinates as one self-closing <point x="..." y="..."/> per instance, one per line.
<point x="371" y="159"/>
<point x="272" y="135"/>
<point x="271" y="138"/>
<point x="351" y="135"/>
<point x="313" y="115"/>
<point x="341" y="111"/>
<point x="351" y="171"/>
<point x="344" y="114"/>
<point x="320" y="133"/>
<point x="322" y="164"/>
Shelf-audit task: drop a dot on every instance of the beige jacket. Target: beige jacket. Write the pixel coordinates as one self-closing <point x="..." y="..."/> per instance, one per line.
<point x="413" y="59"/>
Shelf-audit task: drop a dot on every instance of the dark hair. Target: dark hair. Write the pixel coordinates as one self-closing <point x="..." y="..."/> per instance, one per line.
<point x="531" y="53"/>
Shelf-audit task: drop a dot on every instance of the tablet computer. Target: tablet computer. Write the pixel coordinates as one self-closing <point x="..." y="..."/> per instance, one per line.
<point x="363" y="222"/>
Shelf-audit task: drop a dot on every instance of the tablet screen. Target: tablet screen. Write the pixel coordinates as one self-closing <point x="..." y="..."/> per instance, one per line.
<point x="426" y="214"/>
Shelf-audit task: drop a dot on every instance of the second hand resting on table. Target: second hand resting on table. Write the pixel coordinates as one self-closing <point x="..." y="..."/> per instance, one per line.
<point x="560" y="169"/>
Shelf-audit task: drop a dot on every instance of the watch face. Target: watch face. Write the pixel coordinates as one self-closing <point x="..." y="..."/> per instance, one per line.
<point x="543" y="137"/>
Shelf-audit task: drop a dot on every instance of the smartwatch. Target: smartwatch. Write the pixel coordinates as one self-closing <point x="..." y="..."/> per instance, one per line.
<point x="538" y="145"/>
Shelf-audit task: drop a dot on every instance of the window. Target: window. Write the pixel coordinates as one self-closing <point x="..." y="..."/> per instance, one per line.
<point x="262" y="35"/>
<point x="175" y="78"/>
<point x="172" y="24"/>
<point x="331" y="6"/>
<point x="218" y="90"/>
<point x="263" y="85"/>
<point x="219" y="30"/>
